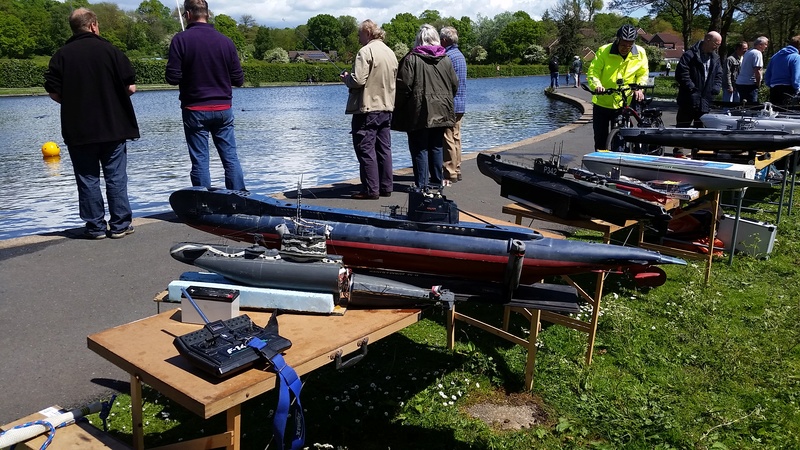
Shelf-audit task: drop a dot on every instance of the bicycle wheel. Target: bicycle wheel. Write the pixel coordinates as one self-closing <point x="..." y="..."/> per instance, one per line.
<point x="616" y="143"/>
<point x="653" y="149"/>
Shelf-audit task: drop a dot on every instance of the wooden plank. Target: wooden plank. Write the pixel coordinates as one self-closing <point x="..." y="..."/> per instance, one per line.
<point x="518" y="210"/>
<point x="145" y="349"/>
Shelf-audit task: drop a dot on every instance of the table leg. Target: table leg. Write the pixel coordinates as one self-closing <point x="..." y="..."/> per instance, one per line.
<point x="533" y="337"/>
<point x="734" y="234"/>
<point x="234" y="420"/>
<point x="136" y="413"/>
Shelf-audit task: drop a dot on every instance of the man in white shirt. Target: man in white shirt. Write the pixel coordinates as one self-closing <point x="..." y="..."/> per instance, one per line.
<point x="749" y="79"/>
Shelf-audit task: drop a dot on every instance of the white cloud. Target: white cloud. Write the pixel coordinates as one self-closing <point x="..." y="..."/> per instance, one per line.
<point x="287" y="13"/>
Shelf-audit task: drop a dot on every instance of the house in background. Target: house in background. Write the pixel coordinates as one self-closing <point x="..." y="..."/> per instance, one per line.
<point x="672" y="44"/>
<point x="312" y="55"/>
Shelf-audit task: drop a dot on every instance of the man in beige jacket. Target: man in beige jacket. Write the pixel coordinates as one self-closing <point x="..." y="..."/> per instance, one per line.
<point x="371" y="102"/>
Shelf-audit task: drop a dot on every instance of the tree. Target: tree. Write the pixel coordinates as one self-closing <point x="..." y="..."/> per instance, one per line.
<point x="286" y="38"/>
<point x="324" y="32"/>
<point x="14" y="39"/>
<point x="262" y="43"/>
<point x="402" y="28"/>
<point x="431" y="17"/>
<point x="535" y="54"/>
<point x="478" y="54"/>
<point x="400" y="50"/>
<point x="277" y="55"/>
<point x="515" y="38"/>
<point x="227" y="26"/>
<point x="487" y="30"/>
<point x="567" y="15"/>
<point x="348" y="29"/>
<point x="152" y="11"/>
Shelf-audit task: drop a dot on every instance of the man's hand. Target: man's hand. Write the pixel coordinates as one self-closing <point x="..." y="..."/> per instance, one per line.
<point x="730" y="89"/>
<point x="343" y="75"/>
<point x="599" y="89"/>
<point x="638" y="95"/>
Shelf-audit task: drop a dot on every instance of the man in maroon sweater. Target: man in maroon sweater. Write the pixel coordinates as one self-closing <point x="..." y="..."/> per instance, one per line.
<point x="204" y="64"/>
<point x="93" y="82"/>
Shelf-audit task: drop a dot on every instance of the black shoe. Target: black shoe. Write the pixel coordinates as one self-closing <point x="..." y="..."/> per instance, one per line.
<point x="385" y="194"/>
<point x="122" y="234"/>
<point x="458" y="177"/>
<point x="93" y="236"/>
<point x="364" y="196"/>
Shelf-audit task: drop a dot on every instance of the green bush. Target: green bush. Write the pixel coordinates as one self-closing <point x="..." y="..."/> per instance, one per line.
<point x="20" y="73"/>
<point x="149" y="71"/>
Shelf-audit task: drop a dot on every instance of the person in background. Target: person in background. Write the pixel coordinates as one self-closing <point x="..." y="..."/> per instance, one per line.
<point x="699" y="76"/>
<point x="577" y="68"/>
<point x="553" y="67"/>
<point x="93" y="82"/>
<point x="452" y="136"/>
<point x="426" y="86"/>
<point x="204" y="64"/>
<point x="730" y="70"/>
<point x="371" y="90"/>
<point x="620" y="60"/>
<point x="750" y="77"/>
<point x="667" y="67"/>
<point x="783" y="73"/>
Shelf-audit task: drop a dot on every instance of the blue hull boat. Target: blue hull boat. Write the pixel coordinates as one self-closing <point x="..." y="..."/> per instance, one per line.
<point x="389" y="241"/>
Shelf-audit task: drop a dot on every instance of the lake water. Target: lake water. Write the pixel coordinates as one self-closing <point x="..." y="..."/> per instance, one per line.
<point x="282" y="133"/>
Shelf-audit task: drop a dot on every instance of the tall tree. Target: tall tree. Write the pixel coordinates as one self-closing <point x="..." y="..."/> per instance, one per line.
<point x="515" y="39"/>
<point x="324" y="32"/>
<point x="348" y="29"/>
<point x="227" y="26"/>
<point x="402" y="28"/>
<point x="263" y="42"/>
<point x="568" y="18"/>
<point x="15" y="42"/>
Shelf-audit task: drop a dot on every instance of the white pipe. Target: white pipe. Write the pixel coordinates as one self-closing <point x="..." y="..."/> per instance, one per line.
<point x="17" y="435"/>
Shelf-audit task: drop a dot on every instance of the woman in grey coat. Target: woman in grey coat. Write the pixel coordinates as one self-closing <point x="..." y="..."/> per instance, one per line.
<point x="426" y="85"/>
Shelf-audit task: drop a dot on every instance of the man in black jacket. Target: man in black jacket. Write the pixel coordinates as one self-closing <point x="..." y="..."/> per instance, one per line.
<point x="699" y="75"/>
<point x="93" y="82"/>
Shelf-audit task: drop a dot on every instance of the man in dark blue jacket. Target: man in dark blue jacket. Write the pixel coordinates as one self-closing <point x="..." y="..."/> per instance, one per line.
<point x="93" y="82"/>
<point x="699" y="75"/>
<point x="204" y="63"/>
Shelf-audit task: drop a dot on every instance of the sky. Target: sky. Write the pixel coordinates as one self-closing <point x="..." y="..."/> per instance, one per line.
<point x="291" y="13"/>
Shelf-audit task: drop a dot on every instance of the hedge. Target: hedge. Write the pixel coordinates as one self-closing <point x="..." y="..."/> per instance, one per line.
<point x="15" y="73"/>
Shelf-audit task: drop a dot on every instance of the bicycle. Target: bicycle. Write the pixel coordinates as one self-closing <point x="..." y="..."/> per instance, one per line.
<point x="634" y="114"/>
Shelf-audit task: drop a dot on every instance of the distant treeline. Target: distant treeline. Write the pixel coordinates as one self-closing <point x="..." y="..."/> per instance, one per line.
<point x="25" y="73"/>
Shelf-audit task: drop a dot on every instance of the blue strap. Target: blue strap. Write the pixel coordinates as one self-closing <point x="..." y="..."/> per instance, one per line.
<point x="287" y="381"/>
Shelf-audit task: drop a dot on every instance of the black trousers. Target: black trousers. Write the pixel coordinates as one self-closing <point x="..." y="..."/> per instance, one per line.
<point x="781" y="94"/>
<point x="602" y="118"/>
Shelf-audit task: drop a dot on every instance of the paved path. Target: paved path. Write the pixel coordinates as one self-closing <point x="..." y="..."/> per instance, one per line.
<point x="57" y="289"/>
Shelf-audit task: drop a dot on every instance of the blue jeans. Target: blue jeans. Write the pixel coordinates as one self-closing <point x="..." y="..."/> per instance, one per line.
<point x="427" y="156"/>
<point x="553" y="79"/>
<point x="87" y="161"/>
<point x="196" y="126"/>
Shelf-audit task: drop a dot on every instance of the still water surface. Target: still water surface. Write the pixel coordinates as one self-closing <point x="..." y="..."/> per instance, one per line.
<point x="282" y="134"/>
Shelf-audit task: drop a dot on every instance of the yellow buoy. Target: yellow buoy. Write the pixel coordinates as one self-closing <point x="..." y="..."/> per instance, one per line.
<point x="50" y="149"/>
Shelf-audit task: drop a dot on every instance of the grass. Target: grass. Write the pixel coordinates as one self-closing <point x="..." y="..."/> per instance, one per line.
<point x="682" y="366"/>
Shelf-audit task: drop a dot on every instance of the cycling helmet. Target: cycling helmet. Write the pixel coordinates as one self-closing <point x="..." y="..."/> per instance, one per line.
<point x="627" y="33"/>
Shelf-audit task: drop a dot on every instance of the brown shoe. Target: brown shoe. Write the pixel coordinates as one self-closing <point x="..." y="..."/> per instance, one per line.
<point x="364" y="196"/>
